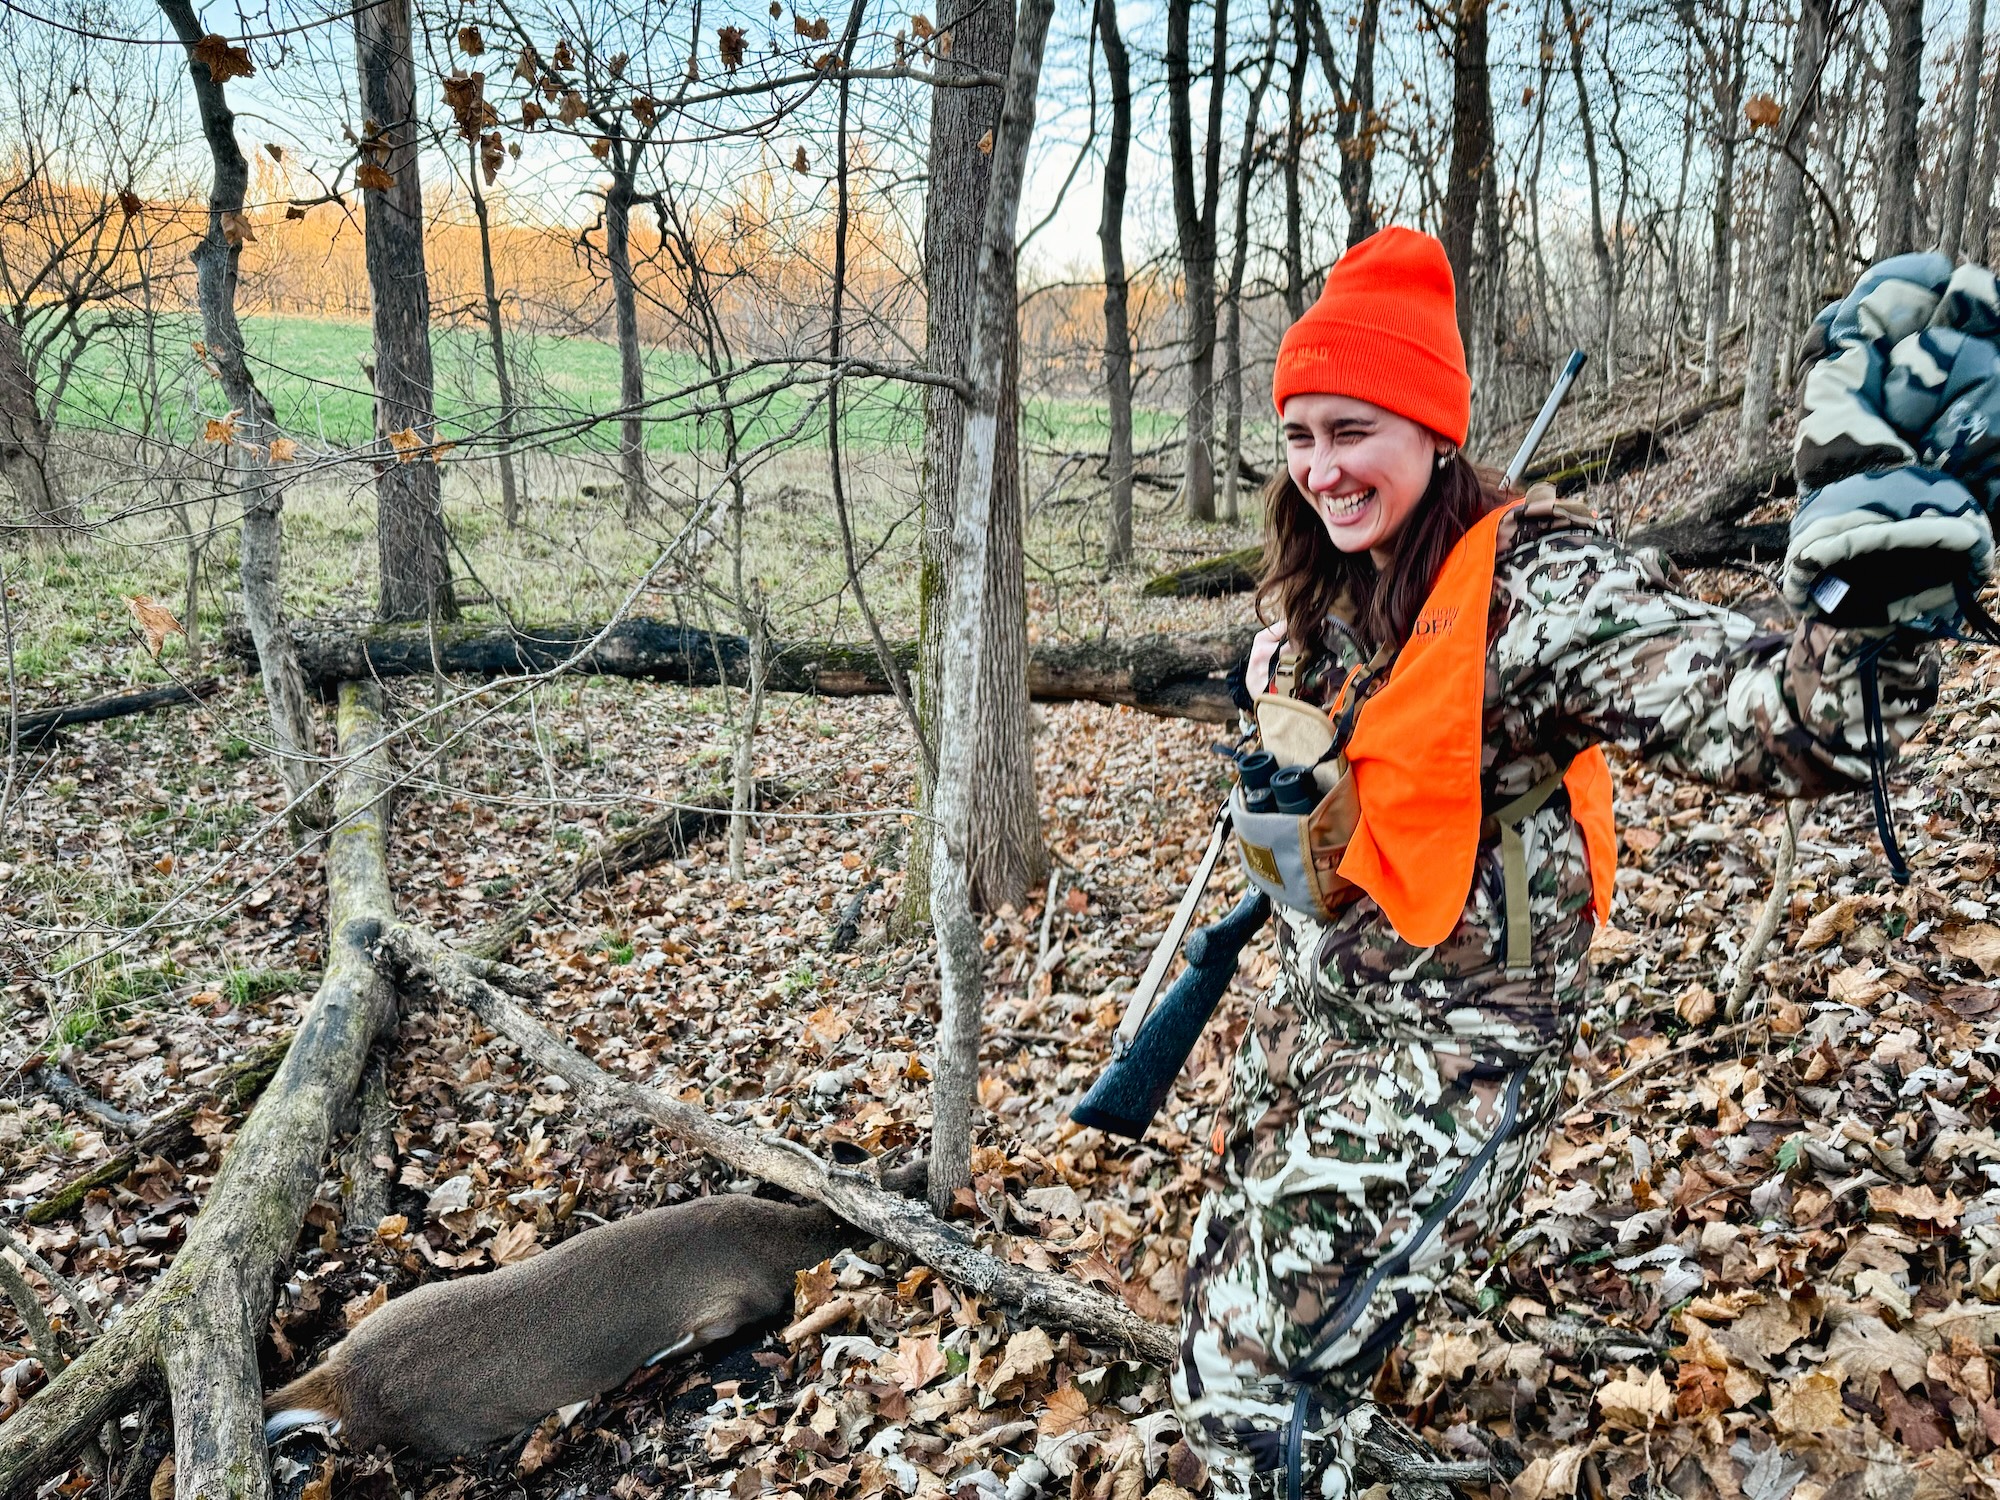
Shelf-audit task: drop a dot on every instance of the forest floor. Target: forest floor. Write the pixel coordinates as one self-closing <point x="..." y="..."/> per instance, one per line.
<point x="1762" y="1258"/>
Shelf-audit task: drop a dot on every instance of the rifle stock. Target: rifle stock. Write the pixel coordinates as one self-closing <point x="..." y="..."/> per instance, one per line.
<point x="1135" y="1082"/>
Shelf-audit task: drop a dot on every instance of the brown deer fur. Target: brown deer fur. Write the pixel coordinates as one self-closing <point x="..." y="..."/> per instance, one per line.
<point x="455" y="1366"/>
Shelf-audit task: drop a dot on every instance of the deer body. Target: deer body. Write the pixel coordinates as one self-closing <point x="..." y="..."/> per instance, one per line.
<point x="457" y="1365"/>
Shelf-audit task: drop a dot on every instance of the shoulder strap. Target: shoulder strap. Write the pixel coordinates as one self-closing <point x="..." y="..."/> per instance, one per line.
<point x="1514" y="867"/>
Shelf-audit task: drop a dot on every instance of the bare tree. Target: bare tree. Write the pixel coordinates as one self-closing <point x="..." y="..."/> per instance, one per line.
<point x="1239" y="258"/>
<point x="410" y="540"/>
<point x="1902" y="100"/>
<point x="1194" y="225"/>
<point x="1471" y="150"/>
<point x="216" y="260"/>
<point x="1979" y="210"/>
<point x="1117" y="317"/>
<point x="1768" y="288"/>
<point x="1728" y="71"/>
<point x="496" y="335"/>
<point x="955" y="803"/>
<point x="1600" y="245"/>
<point x="1006" y="856"/>
<point x="1964" y="131"/>
<point x="1355" y="123"/>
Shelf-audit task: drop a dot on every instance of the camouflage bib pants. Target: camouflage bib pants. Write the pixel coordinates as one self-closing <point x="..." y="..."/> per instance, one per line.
<point x="1359" y="1171"/>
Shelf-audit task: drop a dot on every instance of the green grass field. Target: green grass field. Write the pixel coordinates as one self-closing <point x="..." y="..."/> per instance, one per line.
<point x="312" y="370"/>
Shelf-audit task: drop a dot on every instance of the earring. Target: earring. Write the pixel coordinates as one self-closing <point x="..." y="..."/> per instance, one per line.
<point x="1445" y="456"/>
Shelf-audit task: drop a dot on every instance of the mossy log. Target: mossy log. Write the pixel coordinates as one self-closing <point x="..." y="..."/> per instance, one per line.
<point x="1178" y="676"/>
<point x="1231" y="573"/>
<point x="197" y="1326"/>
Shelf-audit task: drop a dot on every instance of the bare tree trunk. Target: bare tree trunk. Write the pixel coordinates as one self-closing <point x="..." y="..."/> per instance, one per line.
<point x="1354" y="123"/>
<point x="415" y="557"/>
<point x="1295" y="145"/>
<point x="1979" y="211"/>
<point x="1194" y="223"/>
<point x="1600" y="247"/>
<point x="24" y="443"/>
<point x="215" y="262"/>
<point x="1471" y="150"/>
<point x="510" y="495"/>
<point x="1964" y="132"/>
<point x="1117" y="321"/>
<point x="743" y="791"/>
<point x="1769" y="288"/>
<point x="1728" y="108"/>
<point x="1902" y="89"/>
<point x="961" y="959"/>
<point x="1239" y="252"/>
<point x="625" y="303"/>
<point x="1007" y="855"/>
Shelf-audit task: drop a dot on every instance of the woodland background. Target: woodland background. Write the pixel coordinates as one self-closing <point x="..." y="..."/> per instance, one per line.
<point x="652" y="403"/>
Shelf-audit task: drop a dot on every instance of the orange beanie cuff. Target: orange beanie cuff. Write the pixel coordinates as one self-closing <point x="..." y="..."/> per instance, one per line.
<point x="1384" y="331"/>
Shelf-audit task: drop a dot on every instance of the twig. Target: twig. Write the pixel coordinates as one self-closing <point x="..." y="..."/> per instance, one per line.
<point x="78" y="1310"/>
<point x="1687" y="1044"/>
<point x="29" y="1306"/>
<point x="1775" y="906"/>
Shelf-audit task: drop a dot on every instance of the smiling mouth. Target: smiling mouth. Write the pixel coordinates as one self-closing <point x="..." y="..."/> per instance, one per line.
<point x="1345" y="507"/>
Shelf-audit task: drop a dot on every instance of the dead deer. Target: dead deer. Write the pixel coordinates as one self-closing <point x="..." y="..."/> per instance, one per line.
<point x="456" y="1366"/>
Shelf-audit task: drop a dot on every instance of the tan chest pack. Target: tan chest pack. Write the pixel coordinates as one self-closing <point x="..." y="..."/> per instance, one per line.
<point x="1294" y="858"/>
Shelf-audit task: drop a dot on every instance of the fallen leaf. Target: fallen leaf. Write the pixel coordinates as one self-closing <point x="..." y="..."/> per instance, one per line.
<point x="357" y="1308"/>
<point x="1833" y="921"/>
<point x="917" y="1362"/>
<point x="1696" y="1005"/>
<point x="1635" y="1401"/>
<point x="1809" y="1405"/>
<point x="1026" y="1356"/>
<point x="1068" y="1410"/>
<point x="1918" y="1202"/>
<point x="1978" y="944"/>
<point x="1553" y="1476"/>
<point x="514" y="1243"/>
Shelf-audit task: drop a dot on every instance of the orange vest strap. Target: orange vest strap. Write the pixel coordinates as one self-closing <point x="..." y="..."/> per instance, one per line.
<point x="1416" y="757"/>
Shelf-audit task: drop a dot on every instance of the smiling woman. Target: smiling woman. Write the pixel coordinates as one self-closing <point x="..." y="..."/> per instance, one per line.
<point x="1469" y="651"/>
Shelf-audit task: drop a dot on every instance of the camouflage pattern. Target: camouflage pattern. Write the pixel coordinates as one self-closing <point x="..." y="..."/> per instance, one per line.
<point x="1388" y="1102"/>
<point x="1898" y="448"/>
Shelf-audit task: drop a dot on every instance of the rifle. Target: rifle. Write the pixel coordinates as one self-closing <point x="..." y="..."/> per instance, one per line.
<point x="1154" y="1041"/>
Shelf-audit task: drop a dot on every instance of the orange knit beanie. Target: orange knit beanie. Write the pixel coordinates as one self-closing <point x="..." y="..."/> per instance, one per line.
<point x="1385" y="330"/>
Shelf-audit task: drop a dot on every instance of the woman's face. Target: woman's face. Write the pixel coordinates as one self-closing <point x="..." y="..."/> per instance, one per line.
<point x="1363" y="469"/>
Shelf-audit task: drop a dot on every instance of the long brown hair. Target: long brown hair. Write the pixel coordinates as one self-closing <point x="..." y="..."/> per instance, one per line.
<point x="1305" y="577"/>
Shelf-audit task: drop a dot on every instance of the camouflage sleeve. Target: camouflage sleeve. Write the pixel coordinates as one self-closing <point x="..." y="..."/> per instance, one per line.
<point x="1593" y="645"/>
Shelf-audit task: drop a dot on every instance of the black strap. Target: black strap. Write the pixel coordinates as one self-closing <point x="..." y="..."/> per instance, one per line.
<point x="1984" y="627"/>
<point x="1295" y="1443"/>
<point x="1869" y="665"/>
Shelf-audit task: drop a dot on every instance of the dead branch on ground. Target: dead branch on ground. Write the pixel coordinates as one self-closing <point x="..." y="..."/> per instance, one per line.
<point x="197" y="1326"/>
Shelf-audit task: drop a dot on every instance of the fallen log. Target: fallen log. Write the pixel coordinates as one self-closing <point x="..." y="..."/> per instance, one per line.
<point x="1231" y="573"/>
<point x="39" y="724"/>
<point x="666" y="837"/>
<point x="197" y="1326"/>
<point x="1177" y="676"/>
<point x="1711" y="534"/>
<point x="903" y="1222"/>
<point x="166" y="1133"/>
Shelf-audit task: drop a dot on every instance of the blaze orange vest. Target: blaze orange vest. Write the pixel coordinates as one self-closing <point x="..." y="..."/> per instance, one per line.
<point x="1415" y="758"/>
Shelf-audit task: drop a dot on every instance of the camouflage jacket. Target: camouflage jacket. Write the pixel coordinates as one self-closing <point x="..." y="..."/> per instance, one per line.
<point x="1589" y="643"/>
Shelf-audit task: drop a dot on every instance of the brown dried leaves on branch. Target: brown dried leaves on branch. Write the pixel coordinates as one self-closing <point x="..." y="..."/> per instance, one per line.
<point x="373" y="178"/>
<point x="223" y="61"/>
<point x="730" y="42"/>
<point x="155" y="620"/>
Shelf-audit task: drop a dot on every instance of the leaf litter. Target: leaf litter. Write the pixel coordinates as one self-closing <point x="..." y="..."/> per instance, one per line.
<point x="1759" y="1261"/>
